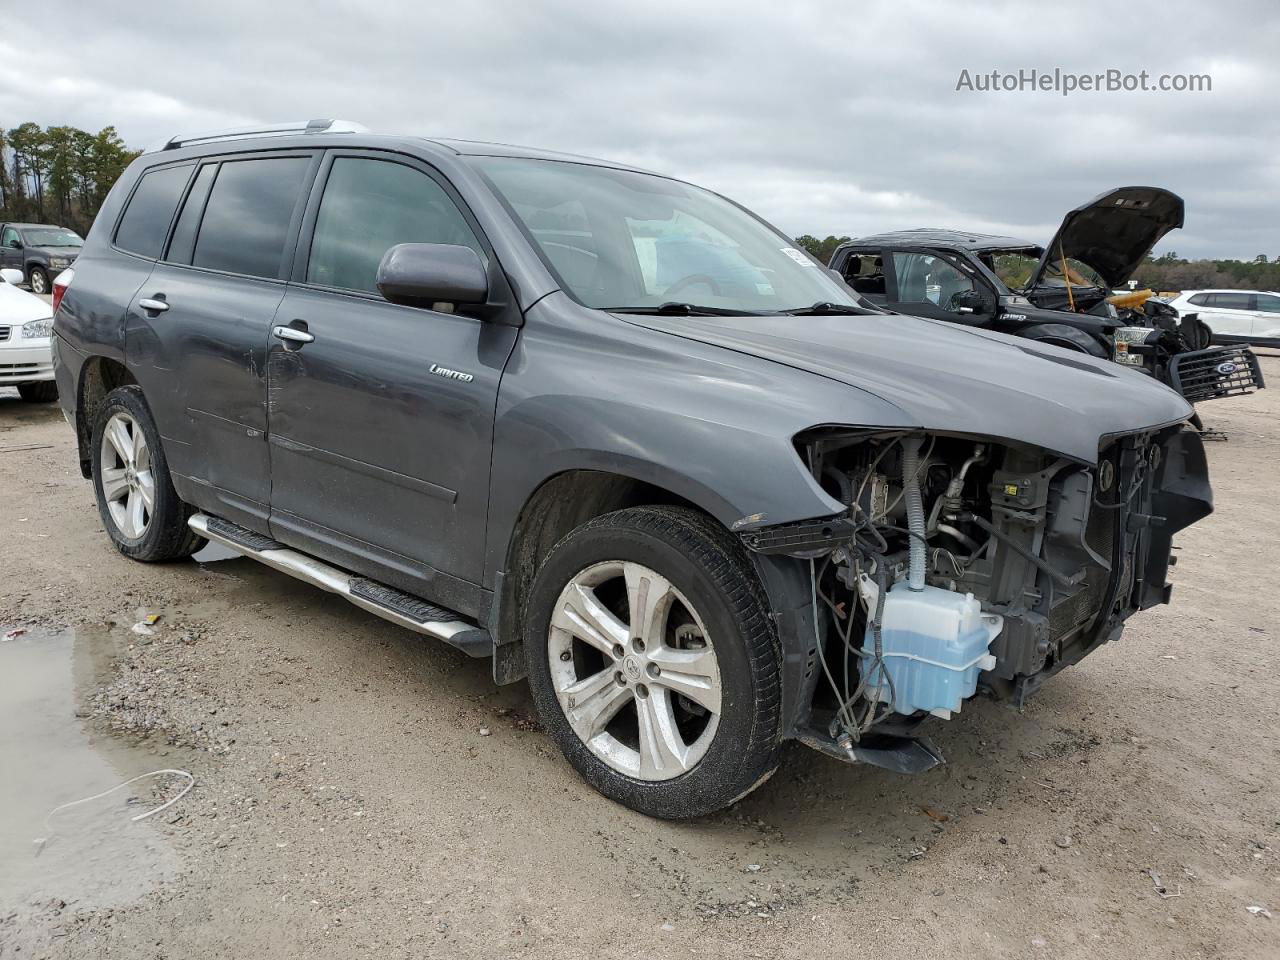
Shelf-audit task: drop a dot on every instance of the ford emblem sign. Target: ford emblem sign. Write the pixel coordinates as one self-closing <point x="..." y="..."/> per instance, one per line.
<point x="1227" y="367"/>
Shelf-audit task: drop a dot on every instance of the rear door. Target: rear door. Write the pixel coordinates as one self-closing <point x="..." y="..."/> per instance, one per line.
<point x="202" y="320"/>
<point x="1266" y="319"/>
<point x="381" y="423"/>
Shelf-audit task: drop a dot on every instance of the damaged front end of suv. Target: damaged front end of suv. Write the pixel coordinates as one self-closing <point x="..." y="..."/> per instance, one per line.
<point x="963" y="564"/>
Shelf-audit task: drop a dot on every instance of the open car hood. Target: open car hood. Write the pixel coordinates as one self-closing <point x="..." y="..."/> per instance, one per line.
<point x="950" y="378"/>
<point x="1113" y="233"/>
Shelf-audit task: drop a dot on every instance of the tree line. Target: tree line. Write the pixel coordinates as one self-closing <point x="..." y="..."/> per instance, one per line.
<point x="1165" y="272"/>
<point x="58" y="174"/>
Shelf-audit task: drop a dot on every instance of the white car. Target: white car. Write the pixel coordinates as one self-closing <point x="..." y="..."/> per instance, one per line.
<point x="26" y="341"/>
<point x="1235" y="316"/>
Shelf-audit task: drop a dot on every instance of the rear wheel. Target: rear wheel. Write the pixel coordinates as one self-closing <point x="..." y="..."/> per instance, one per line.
<point x="41" y="391"/>
<point x="139" y="507"/>
<point x="39" y="280"/>
<point x="654" y="663"/>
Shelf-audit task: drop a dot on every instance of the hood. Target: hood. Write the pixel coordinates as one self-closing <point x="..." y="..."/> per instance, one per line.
<point x="18" y="307"/>
<point x="69" y="253"/>
<point x="950" y="378"/>
<point x="1113" y="233"/>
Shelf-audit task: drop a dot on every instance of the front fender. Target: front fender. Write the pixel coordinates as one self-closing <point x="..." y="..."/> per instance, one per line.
<point x="1061" y="333"/>
<point x="585" y="391"/>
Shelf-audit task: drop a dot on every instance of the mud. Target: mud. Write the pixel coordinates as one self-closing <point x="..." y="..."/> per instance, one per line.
<point x="348" y="805"/>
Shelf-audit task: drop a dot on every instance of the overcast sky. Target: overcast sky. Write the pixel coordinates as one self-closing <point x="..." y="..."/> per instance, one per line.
<point x="823" y="117"/>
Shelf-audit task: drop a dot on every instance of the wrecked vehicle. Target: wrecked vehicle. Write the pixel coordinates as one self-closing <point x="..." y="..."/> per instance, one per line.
<point x="1061" y="294"/>
<point x="616" y="433"/>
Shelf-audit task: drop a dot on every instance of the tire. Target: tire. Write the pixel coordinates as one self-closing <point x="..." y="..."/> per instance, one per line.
<point x="41" y="391"/>
<point x="131" y="472"/>
<point x="39" y="280"/>
<point x="710" y="635"/>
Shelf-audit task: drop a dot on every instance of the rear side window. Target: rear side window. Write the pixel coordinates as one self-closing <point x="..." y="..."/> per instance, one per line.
<point x="184" y="234"/>
<point x="246" y="222"/>
<point x="368" y="207"/>
<point x="146" y="219"/>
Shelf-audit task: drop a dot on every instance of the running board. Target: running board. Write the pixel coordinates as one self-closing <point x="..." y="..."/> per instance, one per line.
<point x="394" y="605"/>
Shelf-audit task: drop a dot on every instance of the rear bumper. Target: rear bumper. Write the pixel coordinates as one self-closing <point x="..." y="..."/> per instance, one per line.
<point x="26" y="364"/>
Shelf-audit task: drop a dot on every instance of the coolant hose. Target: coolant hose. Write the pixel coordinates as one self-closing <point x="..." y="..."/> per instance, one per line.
<point x="915" y="511"/>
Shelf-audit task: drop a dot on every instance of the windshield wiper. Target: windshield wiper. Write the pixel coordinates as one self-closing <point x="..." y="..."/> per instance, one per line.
<point x="675" y="309"/>
<point x="824" y="307"/>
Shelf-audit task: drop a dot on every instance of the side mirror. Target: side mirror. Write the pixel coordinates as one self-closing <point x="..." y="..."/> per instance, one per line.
<point x="422" y="274"/>
<point x="973" y="301"/>
<point x="12" y="276"/>
<point x="15" y="244"/>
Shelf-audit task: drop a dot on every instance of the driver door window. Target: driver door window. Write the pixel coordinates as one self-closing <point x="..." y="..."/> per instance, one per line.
<point x="928" y="284"/>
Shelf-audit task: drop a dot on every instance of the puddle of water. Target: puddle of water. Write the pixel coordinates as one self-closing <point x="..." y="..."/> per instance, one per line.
<point x="92" y="855"/>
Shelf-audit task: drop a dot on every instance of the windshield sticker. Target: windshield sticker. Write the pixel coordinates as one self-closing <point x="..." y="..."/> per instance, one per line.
<point x="798" y="256"/>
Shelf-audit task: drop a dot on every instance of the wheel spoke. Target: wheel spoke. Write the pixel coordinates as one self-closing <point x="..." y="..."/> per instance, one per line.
<point x="114" y="484"/>
<point x="118" y="435"/>
<point x="692" y="673"/>
<point x="582" y="615"/>
<point x="649" y="599"/>
<point x="137" y="518"/>
<point x="140" y="452"/>
<point x="590" y="704"/>
<point x="663" y="753"/>
<point x="147" y="489"/>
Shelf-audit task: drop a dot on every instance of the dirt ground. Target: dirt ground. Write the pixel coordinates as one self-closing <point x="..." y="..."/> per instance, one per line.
<point x="361" y="791"/>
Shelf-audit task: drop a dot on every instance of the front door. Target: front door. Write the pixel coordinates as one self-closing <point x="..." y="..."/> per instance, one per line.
<point x="1266" y="320"/>
<point x="1229" y="314"/>
<point x="11" y="249"/>
<point x="381" y="417"/>
<point x="926" y="284"/>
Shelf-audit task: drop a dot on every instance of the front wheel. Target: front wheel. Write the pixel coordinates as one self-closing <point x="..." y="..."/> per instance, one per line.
<point x="39" y="280"/>
<point x="654" y="663"/>
<point x="139" y="507"/>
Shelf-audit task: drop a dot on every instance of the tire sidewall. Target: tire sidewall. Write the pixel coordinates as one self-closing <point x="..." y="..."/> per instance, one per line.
<point x="169" y="509"/>
<point x="719" y="776"/>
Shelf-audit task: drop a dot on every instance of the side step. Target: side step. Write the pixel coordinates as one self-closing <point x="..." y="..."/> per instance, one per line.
<point x="386" y="602"/>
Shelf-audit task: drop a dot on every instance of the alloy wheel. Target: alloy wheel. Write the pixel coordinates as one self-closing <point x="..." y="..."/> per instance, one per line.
<point x="128" y="483"/>
<point x="634" y="670"/>
<point x="38" y="282"/>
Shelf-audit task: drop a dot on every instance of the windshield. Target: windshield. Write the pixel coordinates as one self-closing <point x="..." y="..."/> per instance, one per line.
<point x="622" y="240"/>
<point x="1014" y="267"/>
<point x="52" y="237"/>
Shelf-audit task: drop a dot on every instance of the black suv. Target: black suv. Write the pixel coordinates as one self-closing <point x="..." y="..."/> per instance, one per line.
<point x="618" y="434"/>
<point x="1063" y="293"/>
<point x="40" y="250"/>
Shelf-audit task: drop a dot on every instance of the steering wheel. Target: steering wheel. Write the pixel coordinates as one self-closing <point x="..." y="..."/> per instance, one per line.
<point x="689" y="281"/>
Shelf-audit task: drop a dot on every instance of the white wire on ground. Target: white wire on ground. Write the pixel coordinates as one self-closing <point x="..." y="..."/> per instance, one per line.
<point x="191" y="782"/>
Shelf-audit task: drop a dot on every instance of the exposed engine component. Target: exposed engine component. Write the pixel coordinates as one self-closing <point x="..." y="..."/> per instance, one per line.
<point x="961" y="565"/>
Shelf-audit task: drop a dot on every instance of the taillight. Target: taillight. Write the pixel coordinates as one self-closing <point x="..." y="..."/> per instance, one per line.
<point x="60" y="284"/>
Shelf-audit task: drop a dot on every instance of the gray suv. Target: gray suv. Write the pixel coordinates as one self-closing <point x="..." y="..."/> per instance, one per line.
<point x="616" y="433"/>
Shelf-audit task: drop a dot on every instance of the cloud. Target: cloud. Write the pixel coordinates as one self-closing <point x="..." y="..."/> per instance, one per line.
<point x="823" y="117"/>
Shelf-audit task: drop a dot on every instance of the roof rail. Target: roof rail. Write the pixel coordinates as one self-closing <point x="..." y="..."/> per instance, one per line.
<point x="264" y="130"/>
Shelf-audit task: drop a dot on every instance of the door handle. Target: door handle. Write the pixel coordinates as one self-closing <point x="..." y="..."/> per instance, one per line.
<point x="292" y="334"/>
<point x="154" y="306"/>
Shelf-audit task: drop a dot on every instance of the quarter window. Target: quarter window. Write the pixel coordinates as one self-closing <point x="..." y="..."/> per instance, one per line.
<point x="146" y="219"/>
<point x="246" y="222"/>
<point x="370" y="206"/>
<point x="924" y="278"/>
<point x="1199" y="300"/>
